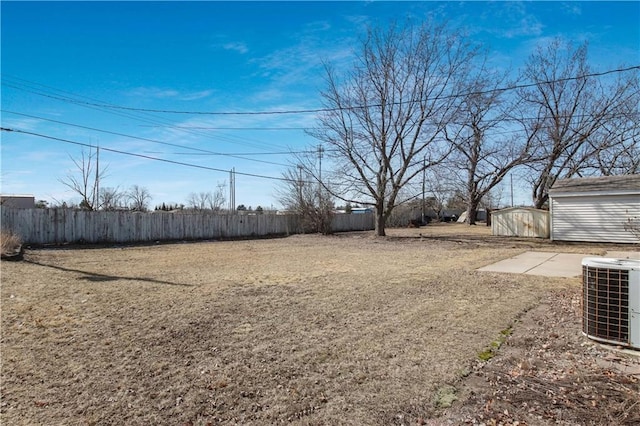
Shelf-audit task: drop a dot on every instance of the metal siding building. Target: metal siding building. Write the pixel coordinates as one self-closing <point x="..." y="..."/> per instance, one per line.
<point x="596" y="209"/>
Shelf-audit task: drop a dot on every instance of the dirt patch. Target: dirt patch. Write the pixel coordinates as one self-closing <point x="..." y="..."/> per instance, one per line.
<point x="348" y="329"/>
<point x="547" y="373"/>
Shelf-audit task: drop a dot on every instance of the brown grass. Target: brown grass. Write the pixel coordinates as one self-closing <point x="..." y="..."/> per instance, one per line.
<point x="346" y="329"/>
<point x="9" y="242"/>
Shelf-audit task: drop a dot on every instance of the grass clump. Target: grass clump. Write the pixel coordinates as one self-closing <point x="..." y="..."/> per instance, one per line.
<point x="11" y="244"/>
<point x="488" y="353"/>
<point x="445" y="396"/>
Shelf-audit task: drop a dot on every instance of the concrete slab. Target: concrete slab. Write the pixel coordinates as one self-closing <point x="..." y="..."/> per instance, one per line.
<point x="550" y="264"/>
<point x="560" y="265"/>
<point x="540" y="263"/>
<point x="623" y="254"/>
<point x="520" y="263"/>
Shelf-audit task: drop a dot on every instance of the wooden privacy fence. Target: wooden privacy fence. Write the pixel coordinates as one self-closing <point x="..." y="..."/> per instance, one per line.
<point x="59" y="226"/>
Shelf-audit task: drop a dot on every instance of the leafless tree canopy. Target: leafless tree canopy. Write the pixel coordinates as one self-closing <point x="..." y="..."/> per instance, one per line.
<point x="208" y="200"/>
<point x="573" y="116"/>
<point x="484" y="151"/>
<point x="218" y="198"/>
<point x="112" y="199"/>
<point x="388" y="113"/>
<point x="302" y="194"/>
<point x="616" y="144"/>
<point x="84" y="180"/>
<point x="139" y="198"/>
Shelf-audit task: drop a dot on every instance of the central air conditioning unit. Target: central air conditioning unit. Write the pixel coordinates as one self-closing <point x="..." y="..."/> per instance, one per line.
<point x="611" y="300"/>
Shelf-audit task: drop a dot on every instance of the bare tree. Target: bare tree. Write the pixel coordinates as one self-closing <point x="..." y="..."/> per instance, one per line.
<point x="208" y="200"/>
<point x="139" y="198"/>
<point x="301" y="194"/>
<point x="484" y="150"/>
<point x="441" y="183"/>
<point x="199" y="200"/>
<point x="217" y="199"/>
<point x="111" y="199"/>
<point x="390" y="112"/>
<point x="616" y="144"/>
<point x="85" y="179"/>
<point x="565" y="109"/>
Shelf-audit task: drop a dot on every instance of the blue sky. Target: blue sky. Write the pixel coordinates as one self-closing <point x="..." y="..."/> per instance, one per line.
<point x="60" y="60"/>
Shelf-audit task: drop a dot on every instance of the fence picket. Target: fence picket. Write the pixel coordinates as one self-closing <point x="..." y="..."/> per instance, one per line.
<point x="59" y="226"/>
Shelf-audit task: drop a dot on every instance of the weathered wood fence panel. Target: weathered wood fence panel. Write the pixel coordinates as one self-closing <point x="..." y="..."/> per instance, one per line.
<point x="59" y="226"/>
<point x="352" y="222"/>
<point x="520" y="222"/>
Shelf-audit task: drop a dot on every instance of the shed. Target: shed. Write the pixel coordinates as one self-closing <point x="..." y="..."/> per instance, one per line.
<point x="520" y="222"/>
<point x="596" y="209"/>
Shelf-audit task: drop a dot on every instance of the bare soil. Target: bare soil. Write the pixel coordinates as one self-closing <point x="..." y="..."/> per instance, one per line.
<point x="345" y="329"/>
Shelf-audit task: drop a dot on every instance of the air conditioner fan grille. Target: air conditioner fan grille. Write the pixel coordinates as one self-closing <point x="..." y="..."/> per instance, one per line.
<point x="606" y="304"/>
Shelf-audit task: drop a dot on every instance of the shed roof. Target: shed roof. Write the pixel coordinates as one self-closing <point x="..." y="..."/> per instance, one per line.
<point x="521" y="208"/>
<point x="627" y="183"/>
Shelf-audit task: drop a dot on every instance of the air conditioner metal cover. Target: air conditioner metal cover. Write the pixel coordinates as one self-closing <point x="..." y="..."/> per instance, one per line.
<point x="608" y="262"/>
<point x="611" y="300"/>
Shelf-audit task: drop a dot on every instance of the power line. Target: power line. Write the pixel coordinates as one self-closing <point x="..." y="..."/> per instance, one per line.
<point x="253" y="153"/>
<point x="92" y="103"/>
<point x="234" y="128"/>
<point x="200" y="151"/>
<point x="197" y="166"/>
<point x="319" y="110"/>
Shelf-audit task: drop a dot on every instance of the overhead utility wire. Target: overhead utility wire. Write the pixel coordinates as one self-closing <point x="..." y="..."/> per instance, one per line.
<point x="200" y="151"/>
<point x="317" y="110"/>
<point x="50" y="92"/>
<point x="163" y="123"/>
<point x="5" y="129"/>
<point x="234" y="128"/>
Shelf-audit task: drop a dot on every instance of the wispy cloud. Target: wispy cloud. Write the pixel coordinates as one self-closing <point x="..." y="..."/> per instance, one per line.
<point x="159" y="93"/>
<point x="572" y="8"/>
<point x="154" y="92"/>
<point x="21" y="123"/>
<point x="518" y="21"/>
<point x="301" y="63"/>
<point x="192" y="96"/>
<point x="236" y="46"/>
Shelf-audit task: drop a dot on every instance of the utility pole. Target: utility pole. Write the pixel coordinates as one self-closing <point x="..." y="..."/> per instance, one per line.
<point x="96" y="192"/>
<point x="232" y="190"/>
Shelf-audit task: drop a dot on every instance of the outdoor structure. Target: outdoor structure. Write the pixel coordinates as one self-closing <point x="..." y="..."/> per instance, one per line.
<point x="598" y="209"/>
<point x="481" y="216"/>
<point x="18" y="201"/>
<point x="62" y="226"/>
<point x="520" y="222"/>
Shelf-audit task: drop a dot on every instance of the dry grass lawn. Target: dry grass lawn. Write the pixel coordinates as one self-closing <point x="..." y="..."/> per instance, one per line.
<point x="346" y="329"/>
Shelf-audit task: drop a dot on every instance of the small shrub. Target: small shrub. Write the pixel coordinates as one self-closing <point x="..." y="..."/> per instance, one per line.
<point x="10" y="242"/>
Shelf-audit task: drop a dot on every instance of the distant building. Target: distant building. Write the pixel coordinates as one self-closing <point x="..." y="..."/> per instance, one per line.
<point x="18" y="201"/>
<point x="361" y="210"/>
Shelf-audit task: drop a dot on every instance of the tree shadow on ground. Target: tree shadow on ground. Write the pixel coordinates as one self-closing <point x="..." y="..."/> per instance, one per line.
<point x="95" y="277"/>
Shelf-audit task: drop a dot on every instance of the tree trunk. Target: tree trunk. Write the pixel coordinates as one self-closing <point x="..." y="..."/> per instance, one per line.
<point x="380" y="223"/>
<point x="472" y="212"/>
<point x="540" y="201"/>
